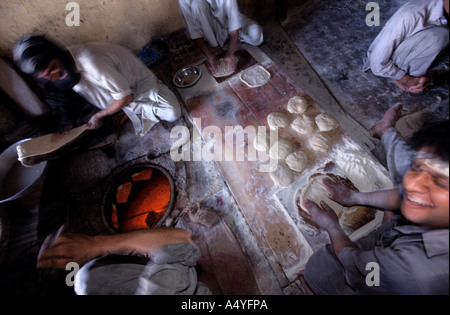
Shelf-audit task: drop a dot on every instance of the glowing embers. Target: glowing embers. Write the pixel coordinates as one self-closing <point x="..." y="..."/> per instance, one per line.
<point x="139" y="200"/>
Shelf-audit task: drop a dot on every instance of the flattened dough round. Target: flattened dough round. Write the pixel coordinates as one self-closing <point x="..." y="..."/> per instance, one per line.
<point x="297" y="161"/>
<point x="297" y="105"/>
<point x="278" y="120"/>
<point x="262" y="141"/>
<point x="255" y="77"/>
<point x="316" y="191"/>
<point x="326" y="122"/>
<point x="281" y="149"/>
<point x="282" y="176"/>
<point x="304" y="125"/>
<point x="321" y="142"/>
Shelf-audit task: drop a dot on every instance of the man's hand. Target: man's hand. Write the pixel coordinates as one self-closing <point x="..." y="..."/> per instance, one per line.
<point x="213" y="63"/>
<point x="414" y="84"/>
<point x="94" y="123"/>
<point x="341" y="194"/>
<point x="59" y="249"/>
<point x="230" y="60"/>
<point x="322" y="215"/>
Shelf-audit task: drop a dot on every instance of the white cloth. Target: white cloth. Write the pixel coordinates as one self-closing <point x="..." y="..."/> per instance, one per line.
<point x="410" y="41"/>
<point x="112" y="72"/>
<point x="214" y="20"/>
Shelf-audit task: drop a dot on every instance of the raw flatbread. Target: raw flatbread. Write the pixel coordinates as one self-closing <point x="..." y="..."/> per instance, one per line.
<point x="282" y="176"/>
<point x="255" y="77"/>
<point x="297" y="161"/>
<point x="222" y="69"/>
<point x="316" y="192"/>
<point x="321" y="142"/>
<point x="326" y="122"/>
<point x="351" y="219"/>
<point x="281" y="149"/>
<point x="297" y="105"/>
<point x="262" y="141"/>
<point x="278" y="120"/>
<point x="43" y="145"/>
<point x="304" y="125"/>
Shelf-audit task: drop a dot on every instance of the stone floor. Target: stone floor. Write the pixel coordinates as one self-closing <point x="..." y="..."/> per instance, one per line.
<point x="232" y="261"/>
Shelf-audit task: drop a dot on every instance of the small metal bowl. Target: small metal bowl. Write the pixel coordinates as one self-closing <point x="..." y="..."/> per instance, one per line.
<point x="187" y="77"/>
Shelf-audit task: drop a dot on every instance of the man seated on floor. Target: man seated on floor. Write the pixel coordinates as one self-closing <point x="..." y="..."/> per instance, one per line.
<point x="107" y="75"/>
<point x="412" y="48"/>
<point x="144" y="262"/>
<point x="212" y="22"/>
<point x="411" y="250"/>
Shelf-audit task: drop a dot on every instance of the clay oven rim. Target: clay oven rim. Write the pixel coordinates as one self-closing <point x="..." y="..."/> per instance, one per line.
<point x="123" y="176"/>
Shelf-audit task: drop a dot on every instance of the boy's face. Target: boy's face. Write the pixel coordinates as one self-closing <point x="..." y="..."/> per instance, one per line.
<point x="426" y="198"/>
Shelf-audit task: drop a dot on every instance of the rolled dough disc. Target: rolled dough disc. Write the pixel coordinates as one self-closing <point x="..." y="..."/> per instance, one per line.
<point x="255" y="77"/>
<point x="297" y="161"/>
<point x="326" y="122"/>
<point x="280" y="150"/>
<point x="304" y="125"/>
<point x="262" y="142"/>
<point x="43" y="145"/>
<point x="282" y="176"/>
<point x="278" y="120"/>
<point x="321" y="142"/>
<point x="297" y="105"/>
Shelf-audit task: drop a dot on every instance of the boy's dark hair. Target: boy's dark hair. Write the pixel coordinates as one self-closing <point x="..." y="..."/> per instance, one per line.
<point x="435" y="136"/>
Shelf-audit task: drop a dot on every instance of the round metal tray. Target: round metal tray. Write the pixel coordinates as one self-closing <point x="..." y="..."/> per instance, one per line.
<point x="187" y="77"/>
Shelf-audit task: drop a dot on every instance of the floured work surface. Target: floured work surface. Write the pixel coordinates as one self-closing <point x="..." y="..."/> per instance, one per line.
<point x="231" y="112"/>
<point x="32" y="151"/>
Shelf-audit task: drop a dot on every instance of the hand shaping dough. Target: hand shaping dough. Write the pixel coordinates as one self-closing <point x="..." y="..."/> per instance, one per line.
<point x="321" y="142"/>
<point x="304" y="125"/>
<point x="222" y="69"/>
<point x="281" y="149"/>
<point x="262" y="141"/>
<point x="255" y="77"/>
<point x="326" y="123"/>
<point x="297" y="161"/>
<point x="316" y="192"/>
<point x="297" y="105"/>
<point x="278" y="120"/>
<point x="282" y="176"/>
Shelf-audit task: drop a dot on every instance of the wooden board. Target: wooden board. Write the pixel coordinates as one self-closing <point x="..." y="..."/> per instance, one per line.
<point x="275" y="225"/>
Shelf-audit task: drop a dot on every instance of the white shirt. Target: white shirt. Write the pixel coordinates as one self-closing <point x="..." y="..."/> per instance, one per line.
<point x="411" y="18"/>
<point x="111" y="72"/>
<point x="226" y="15"/>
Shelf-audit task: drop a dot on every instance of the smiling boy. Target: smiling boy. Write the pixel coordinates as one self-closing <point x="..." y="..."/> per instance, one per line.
<point x="412" y="250"/>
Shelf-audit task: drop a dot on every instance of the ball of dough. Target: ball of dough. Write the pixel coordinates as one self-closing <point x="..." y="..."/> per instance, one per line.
<point x="326" y="123"/>
<point x="282" y="176"/>
<point x="262" y="141"/>
<point x="297" y="105"/>
<point x="297" y="161"/>
<point x="278" y="120"/>
<point x="321" y="142"/>
<point x="281" y="149"/>
<point x="304" y="125"/>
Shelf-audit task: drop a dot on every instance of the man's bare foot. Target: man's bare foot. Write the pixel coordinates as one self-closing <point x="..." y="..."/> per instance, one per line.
<point x="389" y="120"/>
